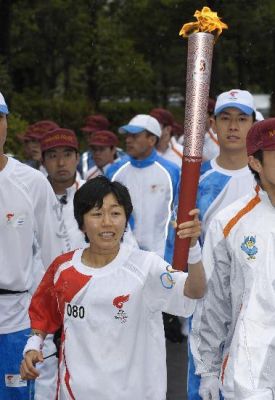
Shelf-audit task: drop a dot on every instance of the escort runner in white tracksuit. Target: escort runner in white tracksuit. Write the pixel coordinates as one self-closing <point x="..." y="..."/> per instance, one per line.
<point x="152" y="183"/>
<point x="233" y="334"/>
<point x="27" y="205"/>
<point x="218" y="188"/>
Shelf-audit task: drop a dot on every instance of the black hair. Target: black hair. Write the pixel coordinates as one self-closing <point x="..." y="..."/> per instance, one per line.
<point x="253" y="116"/>
<point x="52" y="148"/>
<point x="259" y="155"/>
<point x="92" y="193"/>
<point x="149" y="134"/>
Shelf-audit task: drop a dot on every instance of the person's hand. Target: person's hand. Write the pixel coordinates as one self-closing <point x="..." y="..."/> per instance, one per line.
<point x="190" y="229"/>
<point x="209" y="388"/>
<point x="27" y="369"/>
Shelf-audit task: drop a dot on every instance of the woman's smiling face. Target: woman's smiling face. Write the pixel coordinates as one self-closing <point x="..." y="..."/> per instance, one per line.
<point x="105" y="226"/>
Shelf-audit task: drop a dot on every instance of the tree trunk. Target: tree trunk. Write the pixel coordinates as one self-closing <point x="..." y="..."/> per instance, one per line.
<point x="5" y="24"/>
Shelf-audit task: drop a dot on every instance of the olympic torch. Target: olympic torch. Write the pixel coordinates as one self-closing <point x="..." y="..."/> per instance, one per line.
<point x="201" y="37"/>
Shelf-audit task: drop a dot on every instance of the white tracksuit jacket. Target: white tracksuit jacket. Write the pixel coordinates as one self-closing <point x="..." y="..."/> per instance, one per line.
<point x="233" y="331"/>
<point x="152" y="184"/>
<point x="27" y="204"/>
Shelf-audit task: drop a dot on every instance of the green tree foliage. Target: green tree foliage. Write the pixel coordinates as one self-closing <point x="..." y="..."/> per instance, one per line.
<point x="63" y="59"/>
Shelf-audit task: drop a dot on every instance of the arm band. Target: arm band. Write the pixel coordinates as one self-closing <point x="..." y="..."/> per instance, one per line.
<point x="194" y="255"/>
<point x="35" y="342"/>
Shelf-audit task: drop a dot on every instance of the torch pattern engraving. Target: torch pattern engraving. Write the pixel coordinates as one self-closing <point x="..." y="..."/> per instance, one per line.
<point x="200" y="50"/>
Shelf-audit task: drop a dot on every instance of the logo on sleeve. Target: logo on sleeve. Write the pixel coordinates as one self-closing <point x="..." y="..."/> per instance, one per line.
<point x="118" y="302"/>
<point x="248" y="246"/>
<point x="167" y="280"/>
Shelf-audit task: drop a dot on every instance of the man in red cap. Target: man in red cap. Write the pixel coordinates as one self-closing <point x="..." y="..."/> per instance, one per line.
<point x="167" y="145"/>
<point x="93" y="124"/>
<point x="103" y="148"/>
<point x="232" y="336"/>
<point x="31" y="141"/>
<point x="60" y="158"/>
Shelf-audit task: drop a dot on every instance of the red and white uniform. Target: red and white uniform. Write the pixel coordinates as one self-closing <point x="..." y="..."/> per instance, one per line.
<point x="113" y="344"/>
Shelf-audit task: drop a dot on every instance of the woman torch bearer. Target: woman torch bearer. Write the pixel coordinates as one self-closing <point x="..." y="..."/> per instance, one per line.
<point x="201" y="37"/>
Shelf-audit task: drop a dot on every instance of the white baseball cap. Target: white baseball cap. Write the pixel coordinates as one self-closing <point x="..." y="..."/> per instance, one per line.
<point x="259" y="116"/>
<point x="3" y="105"/>
<point x="236" y="98"/>
<point x="140" y="123"/>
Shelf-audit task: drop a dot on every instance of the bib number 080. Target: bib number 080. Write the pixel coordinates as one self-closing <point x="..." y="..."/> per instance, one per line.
<point x="75" y="311"/>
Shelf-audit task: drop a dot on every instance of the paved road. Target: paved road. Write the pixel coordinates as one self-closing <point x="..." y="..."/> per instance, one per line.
<point x="176" y="370"/>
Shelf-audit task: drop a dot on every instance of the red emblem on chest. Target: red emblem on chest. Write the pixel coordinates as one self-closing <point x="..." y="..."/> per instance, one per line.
<point x="120" y="300"/>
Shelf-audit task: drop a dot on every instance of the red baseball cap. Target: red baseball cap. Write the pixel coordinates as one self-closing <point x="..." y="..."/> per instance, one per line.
<point x="261" y="136"/>
<point x="38" y="130"/>
<point x="59" y="137"/>
<point x="103" y="138"/>
<point x="163" y="116"/>
<point x="95" y="123"/>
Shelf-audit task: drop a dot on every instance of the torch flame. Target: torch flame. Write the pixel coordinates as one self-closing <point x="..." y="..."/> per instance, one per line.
<point x="207" y="21"/>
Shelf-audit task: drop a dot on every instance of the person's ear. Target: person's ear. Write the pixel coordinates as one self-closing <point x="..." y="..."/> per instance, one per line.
<point x="255" y="164"/>
<point x="153" y="140"/>
<point x="212" y="121"/>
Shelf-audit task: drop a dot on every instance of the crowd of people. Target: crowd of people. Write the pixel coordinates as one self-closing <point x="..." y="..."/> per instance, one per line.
<point x="87" y="289"/>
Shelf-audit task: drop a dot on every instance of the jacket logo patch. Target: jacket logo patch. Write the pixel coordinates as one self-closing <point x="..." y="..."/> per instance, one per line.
<point x="157" y="188"/>
<point x="248" y="246"/>
<point x="9" y="217"/>
<point x="118" y="302"/>
<point x="167" y="280"/>
<point x="14" y="220"/>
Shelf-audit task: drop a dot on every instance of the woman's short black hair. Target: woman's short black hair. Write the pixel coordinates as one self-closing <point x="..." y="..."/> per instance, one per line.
<point x="92" y="193"/>
<point x="259" y="155"/>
